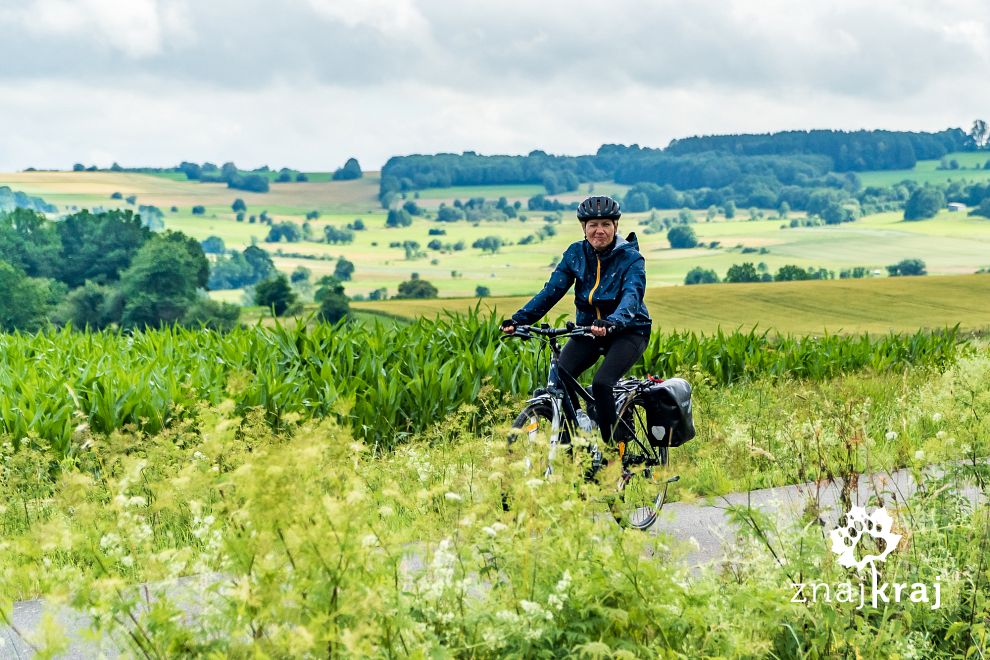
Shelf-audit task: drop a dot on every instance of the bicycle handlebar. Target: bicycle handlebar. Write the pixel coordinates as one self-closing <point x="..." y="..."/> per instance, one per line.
<point x="570" y="330"/>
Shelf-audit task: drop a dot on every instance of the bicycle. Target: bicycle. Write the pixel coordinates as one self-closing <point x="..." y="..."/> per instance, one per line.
<point x="550" y="415"/>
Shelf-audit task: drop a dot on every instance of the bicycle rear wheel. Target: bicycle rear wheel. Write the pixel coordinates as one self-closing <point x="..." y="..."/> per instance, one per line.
<point x="642" y="487"/>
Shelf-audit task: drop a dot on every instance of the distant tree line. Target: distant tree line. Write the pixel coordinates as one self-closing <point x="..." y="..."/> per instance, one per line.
<point x="848" y="151"/>
<point x="560" y="173"/>
<point x="747" y="272"/>
<point x="836" y="199"/>
<point x="256" y="181"/>
<point x="754" y="170"/>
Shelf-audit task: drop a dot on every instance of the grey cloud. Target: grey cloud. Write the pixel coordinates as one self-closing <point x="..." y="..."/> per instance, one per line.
<point x="302" y="84"/>
<point x="881" y="49"/>
<point x="230" y="45"/>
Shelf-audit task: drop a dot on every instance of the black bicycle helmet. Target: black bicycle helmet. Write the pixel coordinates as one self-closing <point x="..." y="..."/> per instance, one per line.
<point x="599" y="206"/>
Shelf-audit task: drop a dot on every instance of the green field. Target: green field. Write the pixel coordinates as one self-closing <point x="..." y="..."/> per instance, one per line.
<point x="951" y="243"/>
<point x="873" y="305"/>
<point x="971" y="165"/>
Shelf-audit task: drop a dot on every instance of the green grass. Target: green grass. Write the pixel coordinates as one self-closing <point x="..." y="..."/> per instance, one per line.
<point x="852" y="306"/>
<point x="926" y="171"/>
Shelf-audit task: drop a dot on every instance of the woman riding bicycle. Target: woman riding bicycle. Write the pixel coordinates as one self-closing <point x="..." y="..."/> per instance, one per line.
<point x="610" y="279"/>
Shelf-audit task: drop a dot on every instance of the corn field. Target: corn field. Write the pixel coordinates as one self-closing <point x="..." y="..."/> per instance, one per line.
<point x="385" y="382"/>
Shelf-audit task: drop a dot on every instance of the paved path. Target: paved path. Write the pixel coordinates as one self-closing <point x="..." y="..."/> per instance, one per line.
<point x="707" y="523"/>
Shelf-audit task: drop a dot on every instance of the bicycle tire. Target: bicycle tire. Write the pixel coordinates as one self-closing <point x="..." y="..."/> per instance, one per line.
<point x="640" y="494"/>
<point x="535" y="422"/>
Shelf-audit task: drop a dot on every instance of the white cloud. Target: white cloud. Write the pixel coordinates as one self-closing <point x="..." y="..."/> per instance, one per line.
<point x="136" y="28"/>
<point x="390" y="17"/>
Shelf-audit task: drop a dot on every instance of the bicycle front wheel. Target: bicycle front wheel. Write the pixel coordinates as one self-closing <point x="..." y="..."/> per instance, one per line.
<point x="534" y="433"/>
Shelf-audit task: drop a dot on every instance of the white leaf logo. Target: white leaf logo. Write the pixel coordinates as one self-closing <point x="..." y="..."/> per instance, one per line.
<point x="853" y="526"/>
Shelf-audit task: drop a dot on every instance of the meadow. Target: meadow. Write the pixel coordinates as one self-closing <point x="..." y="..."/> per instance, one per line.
<point x="971" y="168"/>
<point x="951" y="243"/>
<point x="296" y="538"/>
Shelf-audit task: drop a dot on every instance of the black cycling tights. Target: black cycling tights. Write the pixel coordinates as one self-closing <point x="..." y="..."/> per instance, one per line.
<point x="621" y="352"/>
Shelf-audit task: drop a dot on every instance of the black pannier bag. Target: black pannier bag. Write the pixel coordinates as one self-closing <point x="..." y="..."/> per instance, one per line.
<point x="668" y="412"/>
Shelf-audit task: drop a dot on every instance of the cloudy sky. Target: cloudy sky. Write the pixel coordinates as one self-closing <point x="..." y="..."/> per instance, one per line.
<point x="307" y="83"/>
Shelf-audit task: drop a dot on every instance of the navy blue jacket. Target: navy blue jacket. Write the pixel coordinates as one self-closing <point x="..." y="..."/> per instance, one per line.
<point x="608" y="285"/>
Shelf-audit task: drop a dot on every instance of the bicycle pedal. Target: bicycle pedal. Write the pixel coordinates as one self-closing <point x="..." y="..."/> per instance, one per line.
<point x="597" y="463"/>
<point x="597" y="460"/>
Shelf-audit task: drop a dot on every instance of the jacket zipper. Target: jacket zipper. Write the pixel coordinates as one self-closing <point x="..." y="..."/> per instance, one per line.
<point x="598" y="278"/>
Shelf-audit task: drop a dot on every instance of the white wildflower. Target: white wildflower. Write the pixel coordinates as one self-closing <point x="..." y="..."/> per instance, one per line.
<point x="369" y="540"/>
<point x="490" y="531"/>
<point x="127" y="561"/>
<point x="507" y="616"/>
<point x="499" y="527"/>
<point x="940" y="435"/>
<point x="453" y="497"/>
<point x="109" y="540"/>
<point x="531" y="608"/>
<point x="937" y="417"/>
<point x="535" y="610"/>
<point x="534" y="483"/>
<point x="143" y="532"/>
<point x="919" y="455"/>
<point x="891" y="435"/>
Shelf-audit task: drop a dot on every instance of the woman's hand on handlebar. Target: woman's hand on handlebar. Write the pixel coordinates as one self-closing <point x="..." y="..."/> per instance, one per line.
<point x="601" y="327"/>
<point x="508" y="326"/>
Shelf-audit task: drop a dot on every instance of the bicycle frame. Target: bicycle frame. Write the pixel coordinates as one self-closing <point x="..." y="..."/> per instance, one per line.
<point x="563" y="388"/>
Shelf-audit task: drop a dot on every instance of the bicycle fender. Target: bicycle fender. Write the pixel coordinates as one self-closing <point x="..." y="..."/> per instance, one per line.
<point x="544" y="398"/>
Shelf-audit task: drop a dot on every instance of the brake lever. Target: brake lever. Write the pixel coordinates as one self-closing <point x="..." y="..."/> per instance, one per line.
<point x="517" y="334"/>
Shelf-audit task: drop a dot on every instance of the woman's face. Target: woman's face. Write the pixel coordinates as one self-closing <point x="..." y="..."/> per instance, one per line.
<point x="599" y="232"/>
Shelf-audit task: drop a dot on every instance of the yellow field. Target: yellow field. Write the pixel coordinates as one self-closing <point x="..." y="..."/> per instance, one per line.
<point x="873" y="305"/>
<point x="87" y="189"/>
